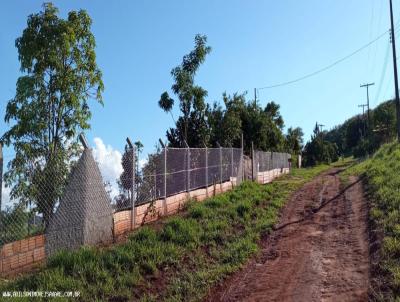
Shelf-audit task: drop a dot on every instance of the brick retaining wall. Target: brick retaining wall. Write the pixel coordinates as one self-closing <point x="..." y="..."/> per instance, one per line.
<point x="145" y="213"/>
<point x="268" y="176"/>
<point x="22" y="255"/>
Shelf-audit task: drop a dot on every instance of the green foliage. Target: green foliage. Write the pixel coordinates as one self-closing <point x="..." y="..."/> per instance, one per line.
<point x="13" y="224"/>
<point x="190" y="127"/>
<point x="190" y="252"/>
<point x="294" y="140"/>
<point x="50" y="106"/>
<point x="262" y="126"/>
<point x="359" y="136"/>
<point x="319" y="150"/>
<point x="383" y="182"/>
<point x="223" y="124"/>
<point x="185" y="232"/>
<point x="272" y="111"/>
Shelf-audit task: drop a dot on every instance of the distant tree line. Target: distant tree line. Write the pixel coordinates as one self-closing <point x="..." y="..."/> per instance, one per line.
<point x="222" y="123"/>
<point x="360" y="136"/>
<point x="319" y="150"/>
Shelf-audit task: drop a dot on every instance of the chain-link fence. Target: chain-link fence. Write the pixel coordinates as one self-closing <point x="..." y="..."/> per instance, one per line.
<point x="176" y="170"/>
<point x="266" y="161"/>
<point x="78" y="200"/>
<point x="19" y="215"/>
<point x="49" y="194"/>
<point x="63" y="197"/>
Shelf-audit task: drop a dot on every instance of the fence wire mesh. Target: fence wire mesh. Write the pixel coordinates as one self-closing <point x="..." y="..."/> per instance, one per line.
<point x="177" y="170"/>
<point x="265" y="161"/>
<point x="27" y="203"/>
<point x="65" y="196"/>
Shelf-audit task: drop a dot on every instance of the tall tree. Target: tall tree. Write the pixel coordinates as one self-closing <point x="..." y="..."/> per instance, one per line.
<point x="294" y="140"/>
<point x="50" y="107"/>
<point x="318" y="150"/>
<point x="225" y="125"/>
<point x="190" y="127"/>
<point x="272" y="111"/>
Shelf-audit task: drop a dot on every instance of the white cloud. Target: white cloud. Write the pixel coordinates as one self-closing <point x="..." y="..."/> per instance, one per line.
<point x="109" y="160"/>
<point x="5" y="197"/>
<point x="142" y="163"/>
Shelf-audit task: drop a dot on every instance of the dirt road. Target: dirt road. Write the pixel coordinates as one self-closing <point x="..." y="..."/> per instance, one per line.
<point x="319" y="251"/>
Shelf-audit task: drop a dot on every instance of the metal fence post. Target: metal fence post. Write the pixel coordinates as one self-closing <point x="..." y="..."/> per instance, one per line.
<point x="133" y="157"/>
<point x="271" y="162"/>
<point x="242" y="157"/>
<point x="220" y="166"/>
<point x="231" y="161"/>
<point x="188" y="169"/>
<point x="165" y="181"/>
<point x="1" y="172"/>
<point x="206" y="170"/>
<point x="252" y="161"/>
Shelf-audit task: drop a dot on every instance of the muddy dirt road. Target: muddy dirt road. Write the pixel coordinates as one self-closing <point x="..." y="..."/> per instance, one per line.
<point x="319" y="251"/>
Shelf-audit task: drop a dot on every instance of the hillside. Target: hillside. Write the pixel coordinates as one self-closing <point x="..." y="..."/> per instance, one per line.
<point x="382" y="179"/>
<point x="358" y="137"/>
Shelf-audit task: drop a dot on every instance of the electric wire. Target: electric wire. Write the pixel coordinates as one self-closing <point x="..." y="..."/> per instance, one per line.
<point x="326" y="67"/>
<point x="370" y="37"/>
<point x="377" y="44"/>
<point x="383" y="73"/>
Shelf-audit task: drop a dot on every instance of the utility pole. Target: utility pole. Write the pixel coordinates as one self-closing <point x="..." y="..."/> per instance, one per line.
<point x="363" y="114"/>
<point x="396" y="84"/>
<point x="320" y="126"/>
<point x="363" y="106"/>
<point x="367" y="86"/>
<point x="255" y="97"/>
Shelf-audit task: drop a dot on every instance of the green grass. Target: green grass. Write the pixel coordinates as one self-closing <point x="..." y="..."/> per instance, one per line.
<point x="382" y="175"/>
<point x="179" y="261"/>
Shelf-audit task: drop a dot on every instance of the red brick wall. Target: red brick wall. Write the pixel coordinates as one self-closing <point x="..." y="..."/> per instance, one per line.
<point x="22" y="255"/>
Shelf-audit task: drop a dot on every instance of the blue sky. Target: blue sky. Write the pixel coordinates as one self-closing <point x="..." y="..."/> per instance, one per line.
<point x="255" y="43"/>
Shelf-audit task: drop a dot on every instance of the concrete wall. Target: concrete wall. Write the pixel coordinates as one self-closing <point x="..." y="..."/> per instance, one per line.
<point x="84" y="216"/>
<point x="268" y="176"/>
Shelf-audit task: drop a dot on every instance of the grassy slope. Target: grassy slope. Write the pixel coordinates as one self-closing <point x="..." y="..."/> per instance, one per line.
<point x="178" y="261"/>
<point x="382" y="174"/>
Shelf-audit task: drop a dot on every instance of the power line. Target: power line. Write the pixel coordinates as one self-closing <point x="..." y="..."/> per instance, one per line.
<point x="326" y="67"/>
<point x="383" y="74"/>
<point x="370" y="37"/>
<point x="378" y="26"/>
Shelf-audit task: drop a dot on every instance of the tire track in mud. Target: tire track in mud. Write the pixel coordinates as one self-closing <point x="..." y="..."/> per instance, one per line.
<point x="318" y="252"/>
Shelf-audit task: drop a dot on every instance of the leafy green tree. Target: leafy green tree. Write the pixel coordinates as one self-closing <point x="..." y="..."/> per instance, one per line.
<point x="272" y="111"/>
<point x="58" y="59"/>
<point x="384" y="123"/>
<point x="225" y="125"/>
<point x="13" y="224"/>
<point x="260" y="128"/>
<point x="319" y="150"/>
<point x="294" y="140"/>
<point x="355" y="137"/>
<point x="191" y="126"/>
